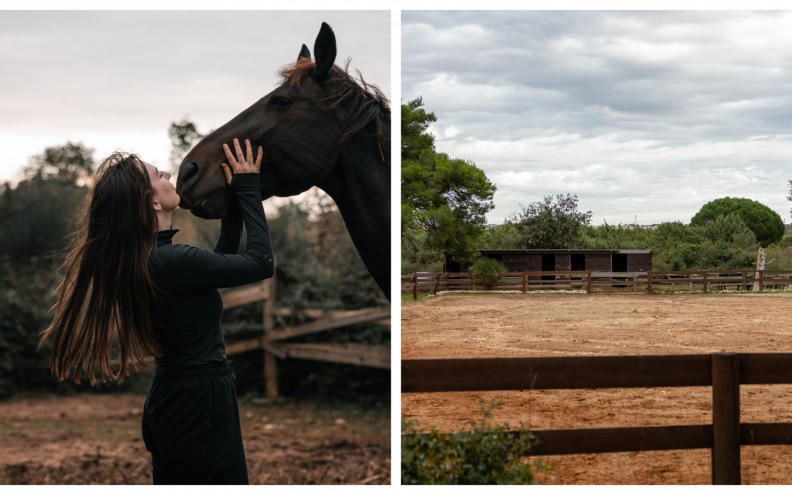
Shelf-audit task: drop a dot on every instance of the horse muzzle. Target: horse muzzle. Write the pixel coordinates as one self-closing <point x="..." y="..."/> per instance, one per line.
<point x="205" y="197"/>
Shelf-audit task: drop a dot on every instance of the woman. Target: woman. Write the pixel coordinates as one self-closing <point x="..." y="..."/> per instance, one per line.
<point x="124" y="278"/>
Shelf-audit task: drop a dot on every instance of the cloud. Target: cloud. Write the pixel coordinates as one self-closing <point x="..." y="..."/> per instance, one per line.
<point x="651" y="111"/>
<point x="116" y="76"/>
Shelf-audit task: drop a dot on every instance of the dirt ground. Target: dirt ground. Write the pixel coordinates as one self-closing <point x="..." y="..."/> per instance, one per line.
<point x="517" y="325"/>
<point x="96" y="439"/>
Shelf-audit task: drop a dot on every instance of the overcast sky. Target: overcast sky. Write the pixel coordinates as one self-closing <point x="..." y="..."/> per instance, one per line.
<point x="116" y="80"/>
<point x="647" y="114"/>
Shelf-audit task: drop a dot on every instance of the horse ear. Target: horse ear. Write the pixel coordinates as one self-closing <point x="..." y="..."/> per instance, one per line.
<point x="304" y="53"/>
<point x="325" y="52"/>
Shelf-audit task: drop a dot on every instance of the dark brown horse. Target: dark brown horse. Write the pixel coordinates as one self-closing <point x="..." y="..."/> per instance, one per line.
<point x="321" y="128"/>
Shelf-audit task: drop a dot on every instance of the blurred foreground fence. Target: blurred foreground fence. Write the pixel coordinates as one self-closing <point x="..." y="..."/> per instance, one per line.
<point x="274" y="342"/>
<point x="588" y="281"/>
<point x="724" y="372"/>
<point x="274" y="339"/>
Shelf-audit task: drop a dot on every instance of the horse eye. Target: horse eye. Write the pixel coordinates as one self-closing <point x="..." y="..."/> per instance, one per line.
<point x="280" y="102"/>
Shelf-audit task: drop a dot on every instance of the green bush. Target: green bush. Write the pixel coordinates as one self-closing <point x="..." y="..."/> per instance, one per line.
<point x="483" y="455"/>
<point x="779" y="256"/>
<point x="487" y="271"/>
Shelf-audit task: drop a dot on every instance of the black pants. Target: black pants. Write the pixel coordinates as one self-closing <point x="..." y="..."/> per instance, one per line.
<point x="191" y="427"/>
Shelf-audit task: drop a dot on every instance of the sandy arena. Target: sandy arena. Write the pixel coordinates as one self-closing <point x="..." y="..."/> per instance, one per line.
<point x="517" y="325"/>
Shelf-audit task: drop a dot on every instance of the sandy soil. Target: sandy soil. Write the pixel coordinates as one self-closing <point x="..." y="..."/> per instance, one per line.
<point x="512" y="325"/>
<point x="96" y="439"/>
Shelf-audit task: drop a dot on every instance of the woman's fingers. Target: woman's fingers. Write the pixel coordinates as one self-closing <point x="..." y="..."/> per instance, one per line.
<point x="243" y="162"/>
<point x="227" y="172"/>
<point x="229" y="155"/>
<point x="249" y="152"/>
<point x="240" y="154"/>
<point x="258" y="158"/>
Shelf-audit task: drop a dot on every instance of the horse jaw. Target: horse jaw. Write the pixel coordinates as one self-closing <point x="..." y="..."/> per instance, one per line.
<point x="212" y="207"/>
<point x="360" y="187"/>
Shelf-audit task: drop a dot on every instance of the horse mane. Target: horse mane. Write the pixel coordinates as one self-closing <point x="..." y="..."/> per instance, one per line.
<point x="369" y="104"/>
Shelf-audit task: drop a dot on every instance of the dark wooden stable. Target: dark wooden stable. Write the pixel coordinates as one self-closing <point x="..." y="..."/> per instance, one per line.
<point x="549" y="260"/>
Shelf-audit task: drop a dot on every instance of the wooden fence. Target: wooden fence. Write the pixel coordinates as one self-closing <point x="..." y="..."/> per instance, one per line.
<point x="273" y="340"/>
<point x="704" y="280"/>
<point x="724" y="372"/>
<point x="707" y="280"/>
<point x="432" y="282"/>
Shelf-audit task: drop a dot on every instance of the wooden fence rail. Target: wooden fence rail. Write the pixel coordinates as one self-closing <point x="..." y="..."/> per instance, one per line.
<point x="274" y="341"/>
<point x="704" y="280"/>
<point x="509" y="281"/>
<point x="724" y="372"/>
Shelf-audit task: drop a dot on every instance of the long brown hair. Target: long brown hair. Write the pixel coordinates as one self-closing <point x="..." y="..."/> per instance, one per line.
<point x="107" y="289"/>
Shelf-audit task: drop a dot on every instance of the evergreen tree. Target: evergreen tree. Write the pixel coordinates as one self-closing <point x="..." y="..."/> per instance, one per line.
<point x="446" y="197"/>
<point x="766" y="224"/>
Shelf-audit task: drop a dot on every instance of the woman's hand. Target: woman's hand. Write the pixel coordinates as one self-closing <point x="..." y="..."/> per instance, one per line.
<point x="241" y="164"/>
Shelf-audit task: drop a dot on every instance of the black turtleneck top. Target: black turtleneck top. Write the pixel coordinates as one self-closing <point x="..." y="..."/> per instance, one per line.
<point x="187" y="308"/>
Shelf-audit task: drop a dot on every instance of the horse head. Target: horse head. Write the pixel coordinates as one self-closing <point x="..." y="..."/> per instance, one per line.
<point x="320" y="127"/>
<point x="300" y="125"/>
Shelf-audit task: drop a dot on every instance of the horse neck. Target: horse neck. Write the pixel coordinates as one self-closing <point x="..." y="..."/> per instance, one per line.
<point x="360" y="187"/>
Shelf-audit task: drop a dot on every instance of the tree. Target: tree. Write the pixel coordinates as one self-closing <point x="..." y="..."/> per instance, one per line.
<point x="789" y="198"/>
<point x="414" y="124"/>
<point x="416" y="256"/>
<point x="184" y="135"/>
<point x="614" y="237"/>
<point x="504" y="236"/>
<point x="766" y="224"/>
<point x="675" y="246"/>
<point x="38" y="212"/>
<point x="550" y="223"/>
<point x="446" y="197"/>
<point x="67" y="164"/>
<point x="728" y="243"/>
<point x="37" y="218"/>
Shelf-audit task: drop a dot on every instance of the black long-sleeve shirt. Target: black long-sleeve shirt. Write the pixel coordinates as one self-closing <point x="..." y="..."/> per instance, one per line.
<point x="187" y="308"/>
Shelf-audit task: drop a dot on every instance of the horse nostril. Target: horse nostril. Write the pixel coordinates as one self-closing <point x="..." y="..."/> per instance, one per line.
<point x="187" y="173"/>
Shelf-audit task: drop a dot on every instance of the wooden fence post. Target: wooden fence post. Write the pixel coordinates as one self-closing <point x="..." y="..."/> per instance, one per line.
<point x="760" y="266"/>
<point x="415" y="286"/>
<point x="270" y="363"/>
<point x="725" y="419"/>
<point x="588" y="284"/>
<point x="649" y="282"/>
<point x="437" y="285"/>
<point x="524" y="282"/>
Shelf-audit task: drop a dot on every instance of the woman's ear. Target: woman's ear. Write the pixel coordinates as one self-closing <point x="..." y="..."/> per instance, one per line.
<point x="157" y="205"/>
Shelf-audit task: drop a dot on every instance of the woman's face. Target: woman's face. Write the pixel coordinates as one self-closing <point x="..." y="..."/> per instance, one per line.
<point x="165" y="197"/>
